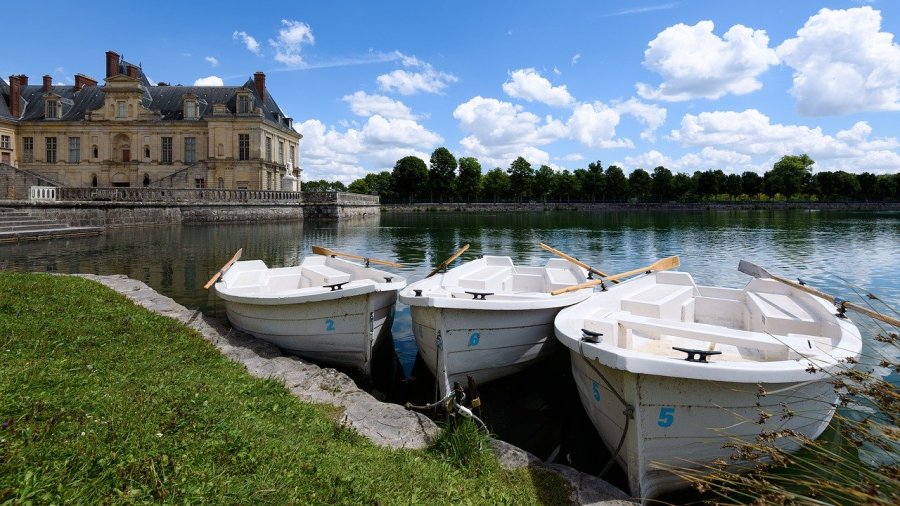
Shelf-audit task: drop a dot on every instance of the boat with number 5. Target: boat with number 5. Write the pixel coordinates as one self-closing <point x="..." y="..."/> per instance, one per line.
<point x="326" y="309"/>
<point x="488" y="318"/>
<point x="669" y="372"/>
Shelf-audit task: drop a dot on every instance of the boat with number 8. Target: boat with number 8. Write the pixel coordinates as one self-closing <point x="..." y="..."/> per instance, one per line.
<point x="326" y="309"/>
<point x="669" y="371"/>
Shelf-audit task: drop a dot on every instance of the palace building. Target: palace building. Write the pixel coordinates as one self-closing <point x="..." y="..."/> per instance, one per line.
<point x="132" y="132"/>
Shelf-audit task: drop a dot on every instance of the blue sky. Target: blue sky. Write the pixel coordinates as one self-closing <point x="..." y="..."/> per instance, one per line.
<point x="690" y="85"/>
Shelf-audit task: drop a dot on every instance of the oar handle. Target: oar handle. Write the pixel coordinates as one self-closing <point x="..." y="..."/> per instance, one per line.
<point x="318" y="250"/>
<point x="224" y="268"/>
<point x="447" y="262"/>
<point x="574" y="261"/>
<point x="660" y="265"/>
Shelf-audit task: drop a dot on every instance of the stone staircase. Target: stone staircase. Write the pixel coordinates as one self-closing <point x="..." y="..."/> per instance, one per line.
<point x="16" y="225"/>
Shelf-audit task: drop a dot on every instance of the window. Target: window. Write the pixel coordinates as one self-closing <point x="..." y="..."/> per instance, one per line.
<point x="243" y="146"/>
<point x="27" y="149"/>
<point x="191" y="109"/>
<point x="51" y="149"/>
<point x="74" y="149"/>
<point x="190" y="150"/>
<point x="52" y="111"/>
<point x="200" y="183"/>
<point x="4" y="142"/>
<point x="243" y="102"/>
<point x="121" y="110"/>
<point x="268" y="149"/>
<point x="268" y="180"/>
<point x="166" y="155"/>
<point x="292" y="159"/>
<point x="95" y="152"/>
<point x="242" y="185"/>
<point x="281" y="152"/>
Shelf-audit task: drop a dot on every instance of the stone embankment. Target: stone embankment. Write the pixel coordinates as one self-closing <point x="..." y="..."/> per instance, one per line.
<point x="383" y="423"/>
<point x="637" y="206"/>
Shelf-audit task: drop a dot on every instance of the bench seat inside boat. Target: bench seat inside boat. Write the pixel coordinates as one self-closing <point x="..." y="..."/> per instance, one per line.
<point x="778" y="313"/>
<point x="489" y="278"/>
<point x="322" y="275"/>
<point x="667" y="301"/>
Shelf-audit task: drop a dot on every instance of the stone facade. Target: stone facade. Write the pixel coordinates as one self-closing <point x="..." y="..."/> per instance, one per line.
<point x="130" y="132"/>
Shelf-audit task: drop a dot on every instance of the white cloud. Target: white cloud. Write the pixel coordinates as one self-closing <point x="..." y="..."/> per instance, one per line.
<point x="529" y="85"/>
<point x="573" y="157"/>
<point x="249" y="42"/>
<point x="729" y="162"/>
<point x="363" y="104"/>
<point x="594" y="125"/>
<point x="406" y="82"/>
<point x="752" y="134"/>
<point x="696" y="63"/>
<point x="650" y="115"/>
<point x="209" y="81"/>
<point x="843" y="63"/>
<point x="291" y="37"/>
<point x="575" y="58"/>
<point x="212" y="61"/>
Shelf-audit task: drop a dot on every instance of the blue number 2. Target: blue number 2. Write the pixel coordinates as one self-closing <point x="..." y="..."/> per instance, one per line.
<point x="666" y="417"/>
<point x="329" y="325"/>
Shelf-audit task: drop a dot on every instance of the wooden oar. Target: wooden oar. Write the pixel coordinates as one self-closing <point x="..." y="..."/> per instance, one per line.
<point x="758" y="272"/>
<point x="447" y="262"/>
<point x="224" y="268"/>
<point x="575" y="261"/>
<point x="318" y="250"/>
<point x="659" y="265"/>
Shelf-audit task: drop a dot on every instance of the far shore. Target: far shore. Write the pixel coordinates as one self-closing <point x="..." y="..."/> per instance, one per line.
<point x="636" y="206"/>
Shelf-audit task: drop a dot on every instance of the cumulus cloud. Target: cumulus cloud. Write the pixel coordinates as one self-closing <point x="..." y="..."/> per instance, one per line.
<point x="594" y="126"/>
<point x="423" y="78"/>
<point x="209" y="81"/>
<point x="751" y="133"/>
<point x="291" y="37"/>
<point x="843" y="63"/>
<point x="696" y="63"/>
<point x="212" y="61"/>
<point x="363" y="104"/>
<point x="653" y="116"/>
<point x="729" y="162"/>
<point x="528" y="84"/>
<point x="249" y="42"/>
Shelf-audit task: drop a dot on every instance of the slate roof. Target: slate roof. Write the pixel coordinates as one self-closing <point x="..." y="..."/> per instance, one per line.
<point x="167" y="100"/>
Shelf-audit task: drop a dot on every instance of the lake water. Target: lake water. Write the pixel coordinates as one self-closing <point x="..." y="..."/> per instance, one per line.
<point x="845" y="254"/>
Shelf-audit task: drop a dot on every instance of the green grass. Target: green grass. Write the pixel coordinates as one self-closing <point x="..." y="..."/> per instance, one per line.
<point x="102" y="401"/>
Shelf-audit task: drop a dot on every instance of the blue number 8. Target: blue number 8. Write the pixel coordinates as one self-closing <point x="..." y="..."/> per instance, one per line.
<point x="596" y="391"/>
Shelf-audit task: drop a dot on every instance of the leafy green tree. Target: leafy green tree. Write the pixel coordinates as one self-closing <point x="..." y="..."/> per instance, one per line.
<point x="495" y="183"/>
<point x="544" y="180"/>
<point x="521" y="176"/>
<point x="709" y="182"/>
<point x="733" y="185"/>
<point x="789" y="175"/>
<point x="886" y="186"/>
<point x="359" y="186"/>
<point x="410" y="177"/>
<point x="442" y="172"/>
<point x="594" y="181"/>
<point x="616" y="183"/>
<point x="640" y="184"/>
<point x="566" y="186"/>
<point x="469" y="180"/>
<point x="751" y="183"/>
<point x="866" y="184"/>
<point x="323" y="185"/>
<point x="662" y="183"/>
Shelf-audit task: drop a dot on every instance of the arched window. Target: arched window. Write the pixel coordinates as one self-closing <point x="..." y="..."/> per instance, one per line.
<point x="221" y="183"/>
<point x="94" y="179"/>
<point x="94" y="151"/>
<point x="146" y="179"/>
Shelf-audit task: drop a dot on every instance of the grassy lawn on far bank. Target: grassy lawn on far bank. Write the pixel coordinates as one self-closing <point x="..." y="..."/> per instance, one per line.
<point x="102" y="401"/>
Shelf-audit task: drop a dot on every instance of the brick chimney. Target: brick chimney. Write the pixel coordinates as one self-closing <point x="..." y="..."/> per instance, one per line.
<point x="132" y="71"/>
<point x="82" y="80"/>
<point x="48" y="81"/>
<point x="15" y="94"/>
<point x="112" y="63"/>
<point x="259" y="79"/>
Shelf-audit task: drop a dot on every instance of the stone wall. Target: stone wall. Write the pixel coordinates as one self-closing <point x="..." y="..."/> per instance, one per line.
<point x="639" y="206"/>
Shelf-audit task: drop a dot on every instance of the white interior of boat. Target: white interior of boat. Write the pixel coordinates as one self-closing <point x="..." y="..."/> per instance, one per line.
<point x="764" y="322"/>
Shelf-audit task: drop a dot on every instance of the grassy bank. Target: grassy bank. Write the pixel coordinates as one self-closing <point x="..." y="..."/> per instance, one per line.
<point x="102" y="401"/>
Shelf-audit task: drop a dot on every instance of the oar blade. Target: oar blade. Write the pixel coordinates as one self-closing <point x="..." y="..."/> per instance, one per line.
<point x="753" y="270"/>
<point x="666" y="263"/>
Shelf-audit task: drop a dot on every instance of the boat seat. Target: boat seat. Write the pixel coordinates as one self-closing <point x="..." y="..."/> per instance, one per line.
<point x="560" y="278"/>
<point x="524" y="283"/>
<point x="284" y="282"/>
<point x="779" y="314"/>
<point x="322" y="275"/>
<point x="659" y="301"/>
<point x="489" y="278"/>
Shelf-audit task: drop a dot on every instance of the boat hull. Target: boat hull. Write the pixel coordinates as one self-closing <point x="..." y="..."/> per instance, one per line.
<point x="340" y="332"/>
<point x="685" y="423"/>
<point x="484" y="344"/>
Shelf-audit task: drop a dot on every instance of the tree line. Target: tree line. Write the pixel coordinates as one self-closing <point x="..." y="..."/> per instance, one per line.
<point x="446" y="179"/>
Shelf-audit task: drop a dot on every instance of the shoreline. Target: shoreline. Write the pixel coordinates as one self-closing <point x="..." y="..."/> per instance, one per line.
<point x="638" y="206"/>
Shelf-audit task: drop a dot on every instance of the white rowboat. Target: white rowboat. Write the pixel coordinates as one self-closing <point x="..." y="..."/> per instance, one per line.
<point x="489" y="318"/>
<point x="326" y="309"/>
<point x="778" y="348"/>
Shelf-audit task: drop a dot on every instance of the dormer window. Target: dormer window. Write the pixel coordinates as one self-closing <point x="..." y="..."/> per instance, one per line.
<point x="191" y="109"/>
<point x="243" y="103"/>
<point x="53" y="109"/>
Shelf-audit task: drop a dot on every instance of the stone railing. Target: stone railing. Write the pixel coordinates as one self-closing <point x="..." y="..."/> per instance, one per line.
<point x="174" y="195"/>
<point x="42" y="193"/>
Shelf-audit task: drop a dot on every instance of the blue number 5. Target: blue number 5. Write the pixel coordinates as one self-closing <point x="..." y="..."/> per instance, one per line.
<point x="666" y="417"/>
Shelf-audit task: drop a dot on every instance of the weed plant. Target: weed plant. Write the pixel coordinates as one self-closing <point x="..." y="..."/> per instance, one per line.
<point x="104" y="402"/>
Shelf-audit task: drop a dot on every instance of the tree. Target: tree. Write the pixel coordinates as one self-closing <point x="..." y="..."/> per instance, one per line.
<point x="751" y="183"/>
<point x="789" y="175"/>
<point x="359" y="186"/>
<point x="683" y="186"/>
<point x="616" y="183"/>
<point x="543" y="182"/>
<point x="442" y="172"/>
<point x="594" y="183"/>
<point x="469" y="180"/>
<point x="520" y="177"/>
<point x="566" y="185"/>
<point x="496" y="183"/>
<point x="663" y="180"/>
<point x="410" y="177"/>
<point x="640" y="184"/>
<point x="710" y="182"/>
<point x="733" y="185"/>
